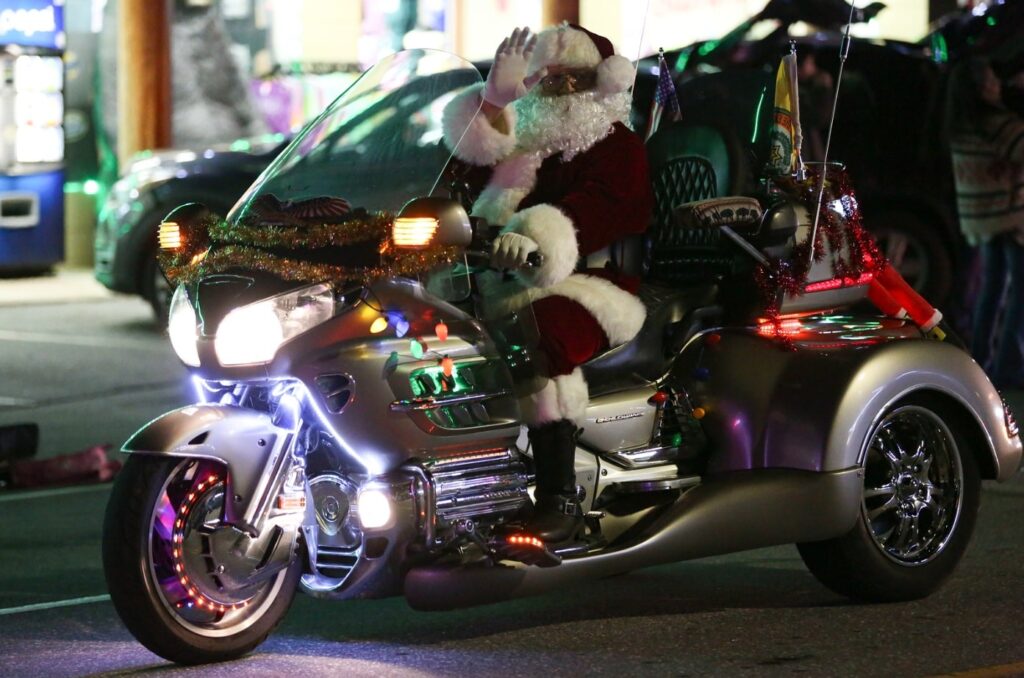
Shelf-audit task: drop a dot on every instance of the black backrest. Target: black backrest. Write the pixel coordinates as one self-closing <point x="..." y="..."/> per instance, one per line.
<point x="687" y="162"/>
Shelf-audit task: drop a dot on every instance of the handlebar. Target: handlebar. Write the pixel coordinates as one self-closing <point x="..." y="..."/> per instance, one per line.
<point x="533" y="259"/>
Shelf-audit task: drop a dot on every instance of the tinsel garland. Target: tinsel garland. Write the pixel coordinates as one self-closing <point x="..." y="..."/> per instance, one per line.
<point x="230" y="257"/>
<point x="211" y="245"/>
<point x="853" y="250"/>
<point x="374" y="226"/>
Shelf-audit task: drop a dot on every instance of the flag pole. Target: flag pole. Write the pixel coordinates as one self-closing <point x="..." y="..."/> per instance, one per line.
<point x="844" y="51"/>
<point x="798" y="133"/>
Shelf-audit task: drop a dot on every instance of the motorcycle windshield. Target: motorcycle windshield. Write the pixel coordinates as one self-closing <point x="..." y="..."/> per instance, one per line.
<point x="378" y="145"/>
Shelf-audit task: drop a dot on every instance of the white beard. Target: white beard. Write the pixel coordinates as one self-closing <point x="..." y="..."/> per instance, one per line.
<point x="570" y="123"/>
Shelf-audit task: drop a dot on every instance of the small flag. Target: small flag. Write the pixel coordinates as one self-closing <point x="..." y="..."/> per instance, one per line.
<point x="664" y="98"/>
<point x="784" y="154"/>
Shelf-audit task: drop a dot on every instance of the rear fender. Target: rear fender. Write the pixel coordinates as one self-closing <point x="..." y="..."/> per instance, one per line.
<point x="809" y="404"/>
<point x="902" y="369"/>
<point x="245" y="441"/>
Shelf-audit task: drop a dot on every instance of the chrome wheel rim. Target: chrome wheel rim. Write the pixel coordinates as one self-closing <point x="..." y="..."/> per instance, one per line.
<point x="913" y="486"/>
<point x="190" y="556"/>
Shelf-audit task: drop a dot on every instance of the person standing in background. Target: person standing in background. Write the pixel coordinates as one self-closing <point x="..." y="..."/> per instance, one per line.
<point x="987" y="146"/>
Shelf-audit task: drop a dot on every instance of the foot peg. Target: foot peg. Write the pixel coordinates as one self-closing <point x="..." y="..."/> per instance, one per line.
<point x="526" y="549"/>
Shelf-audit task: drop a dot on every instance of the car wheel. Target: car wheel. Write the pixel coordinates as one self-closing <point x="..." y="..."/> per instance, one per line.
<point x="918" y="252"/>
<point x="922" y="487"/>
<point x="156" y="290"/>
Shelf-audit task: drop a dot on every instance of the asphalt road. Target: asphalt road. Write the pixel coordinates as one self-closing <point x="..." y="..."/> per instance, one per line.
<point x="92" y="373"/>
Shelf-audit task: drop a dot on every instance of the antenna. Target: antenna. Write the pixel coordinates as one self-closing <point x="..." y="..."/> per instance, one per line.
<point x="640" y="45"/>
<point x="844" y="51"/>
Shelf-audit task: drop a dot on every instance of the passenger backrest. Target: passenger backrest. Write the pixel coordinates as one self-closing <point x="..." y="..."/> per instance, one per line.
<point x="687" y="163"/>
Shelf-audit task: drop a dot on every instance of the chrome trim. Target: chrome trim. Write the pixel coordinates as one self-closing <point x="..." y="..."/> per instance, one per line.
<point x="644" y="457"/>
<point x="431" y="403"/>
<point x="425" y="502"/>
<point x="919" y="480"/>
<point x="657" y="485"/>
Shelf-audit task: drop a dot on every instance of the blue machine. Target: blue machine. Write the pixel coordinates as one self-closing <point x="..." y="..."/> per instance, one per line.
<point x="32" y="41"/>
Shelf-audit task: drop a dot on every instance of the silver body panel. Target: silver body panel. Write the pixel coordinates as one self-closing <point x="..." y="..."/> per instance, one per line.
<point x="758" y="509"/>
<point x="245" y="441"/>
<point x="619" y="420"/>
<point x="808" y="401"/>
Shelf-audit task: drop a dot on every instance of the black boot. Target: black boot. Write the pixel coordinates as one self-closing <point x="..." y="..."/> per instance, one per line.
<point x="557" y="516"/>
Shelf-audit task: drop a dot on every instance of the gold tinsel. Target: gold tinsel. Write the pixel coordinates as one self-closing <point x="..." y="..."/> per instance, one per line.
<point x="356" y="230"/>
<point x="231" y="257"/>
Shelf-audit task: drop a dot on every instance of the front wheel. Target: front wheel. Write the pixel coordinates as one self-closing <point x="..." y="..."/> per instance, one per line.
<point x="179" y="578"/>
<point x="922" y="487"/>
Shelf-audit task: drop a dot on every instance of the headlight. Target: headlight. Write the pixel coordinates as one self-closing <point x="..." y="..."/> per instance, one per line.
<point x="181" y="326"/>
<point x="251" y="334"/>
<point x="374" y="509"/>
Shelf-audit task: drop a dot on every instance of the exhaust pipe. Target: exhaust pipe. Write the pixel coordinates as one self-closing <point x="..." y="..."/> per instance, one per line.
<point x="747" y="510"/>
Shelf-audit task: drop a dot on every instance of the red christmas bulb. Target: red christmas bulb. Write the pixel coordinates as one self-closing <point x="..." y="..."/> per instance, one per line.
<point x="441" y="330"/>
<point x="447" y="366"/>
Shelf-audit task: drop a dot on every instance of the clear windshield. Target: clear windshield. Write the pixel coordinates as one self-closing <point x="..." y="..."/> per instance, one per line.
<point x="376" y="147"/>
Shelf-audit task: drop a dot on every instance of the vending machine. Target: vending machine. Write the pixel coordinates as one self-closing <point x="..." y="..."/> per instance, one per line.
<point x="32" y="41"/>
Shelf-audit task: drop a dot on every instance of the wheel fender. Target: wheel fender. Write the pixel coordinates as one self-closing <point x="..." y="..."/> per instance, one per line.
<point x="244" y="440"/>
<point x="810" y="405"/>
<point x="898" y="369"/>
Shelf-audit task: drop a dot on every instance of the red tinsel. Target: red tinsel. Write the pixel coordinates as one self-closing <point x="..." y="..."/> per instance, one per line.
<point x="852" y="249"/>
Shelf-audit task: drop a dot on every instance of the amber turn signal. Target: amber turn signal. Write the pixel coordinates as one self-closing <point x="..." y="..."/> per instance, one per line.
<point x="169" y="236"/>
<point x="413" y="232"/>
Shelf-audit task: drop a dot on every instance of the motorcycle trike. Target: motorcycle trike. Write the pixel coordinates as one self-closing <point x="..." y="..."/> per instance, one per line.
<point x="356" y="431"/>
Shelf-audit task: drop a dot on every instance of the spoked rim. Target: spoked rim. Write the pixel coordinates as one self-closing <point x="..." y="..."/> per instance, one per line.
<point x="190" y="556"/>
<point x="913" y="486"/>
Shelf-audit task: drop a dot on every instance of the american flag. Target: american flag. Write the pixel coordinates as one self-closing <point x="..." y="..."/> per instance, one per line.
<point x="664" y="98"/>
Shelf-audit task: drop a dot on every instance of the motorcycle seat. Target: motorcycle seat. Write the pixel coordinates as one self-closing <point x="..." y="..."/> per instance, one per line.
<point x="674" y="314"/>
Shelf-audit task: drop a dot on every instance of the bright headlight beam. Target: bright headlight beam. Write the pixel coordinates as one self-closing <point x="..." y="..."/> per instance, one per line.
<point x="181" y="327"/>
<point x="374" y="509"/>
<point x="251" y="335"/>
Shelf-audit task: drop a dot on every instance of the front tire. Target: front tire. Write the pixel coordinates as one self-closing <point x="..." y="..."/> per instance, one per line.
<point x="922" y="488"/>
<point x="165" y="572"/>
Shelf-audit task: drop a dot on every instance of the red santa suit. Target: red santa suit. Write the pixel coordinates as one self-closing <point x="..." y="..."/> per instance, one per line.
<point x="570" y="175"/>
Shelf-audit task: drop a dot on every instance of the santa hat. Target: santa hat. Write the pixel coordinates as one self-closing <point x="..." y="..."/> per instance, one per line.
<point x="573" y="46"/>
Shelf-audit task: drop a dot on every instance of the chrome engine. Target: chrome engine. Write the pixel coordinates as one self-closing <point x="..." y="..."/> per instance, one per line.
<point x="485" y="488"/>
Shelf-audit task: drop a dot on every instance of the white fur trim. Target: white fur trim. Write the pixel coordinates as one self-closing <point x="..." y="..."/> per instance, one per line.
<point x="573" y="395"/>
<point x="512" y="180"/>
<point x="564" y="397"/>
<point x="619" y="313"/>
<point x="540" y="404"/>
<point x="555" y="236"/>
<point x="564" y="46"/>
<point x="932" y="322"/>
<point x="615" y="74"/>
<point x="481" y="144"/>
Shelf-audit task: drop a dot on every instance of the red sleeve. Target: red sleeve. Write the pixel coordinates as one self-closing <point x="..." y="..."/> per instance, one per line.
<point x="612" y="198"/>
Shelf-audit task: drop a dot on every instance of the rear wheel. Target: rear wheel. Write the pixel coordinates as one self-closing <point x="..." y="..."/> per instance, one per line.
<point x="921" y="492"/>
<point x="177" y="575"/>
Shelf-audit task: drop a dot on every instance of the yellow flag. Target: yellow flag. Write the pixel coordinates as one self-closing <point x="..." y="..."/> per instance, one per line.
<point x="785" y="134"/>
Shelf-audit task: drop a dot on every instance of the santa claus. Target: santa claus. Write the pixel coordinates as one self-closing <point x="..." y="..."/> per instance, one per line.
<point x="549" y="155"/>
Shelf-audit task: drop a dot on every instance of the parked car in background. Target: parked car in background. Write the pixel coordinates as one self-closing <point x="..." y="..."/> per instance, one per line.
<point x="154" y="184"/>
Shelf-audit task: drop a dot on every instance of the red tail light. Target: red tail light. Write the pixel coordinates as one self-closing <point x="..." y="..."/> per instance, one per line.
<point x="836" y="283"/>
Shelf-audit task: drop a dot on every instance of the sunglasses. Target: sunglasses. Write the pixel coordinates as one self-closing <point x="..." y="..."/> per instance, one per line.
<point x="568" y="81"/>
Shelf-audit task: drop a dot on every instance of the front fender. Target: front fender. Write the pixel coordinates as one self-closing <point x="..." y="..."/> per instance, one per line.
<point x="899" y="369"/>
<point x="244" y="440"/>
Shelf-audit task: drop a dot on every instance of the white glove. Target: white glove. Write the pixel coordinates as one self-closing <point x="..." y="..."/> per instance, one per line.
<point x="510" y="250"/>
<point x="507" y="79"/>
